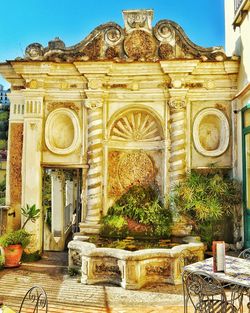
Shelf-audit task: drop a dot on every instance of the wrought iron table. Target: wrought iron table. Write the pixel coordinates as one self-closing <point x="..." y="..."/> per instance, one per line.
<point x="236" y="278"/>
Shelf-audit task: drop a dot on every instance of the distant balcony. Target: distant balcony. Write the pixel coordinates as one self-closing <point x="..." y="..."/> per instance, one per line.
<point x="241" y="8"/>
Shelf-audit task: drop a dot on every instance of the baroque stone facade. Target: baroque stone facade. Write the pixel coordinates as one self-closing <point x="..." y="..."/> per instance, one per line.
<point x="125" y="106"/>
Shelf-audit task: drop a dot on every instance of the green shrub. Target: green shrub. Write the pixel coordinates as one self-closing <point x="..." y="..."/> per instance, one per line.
<point x="72" y="271"/>
<point x="20" y="236"/>
<point x="4" y="115"/>
<point x="113" y="225"/>
<point x="1" y="262"/>
<point x="142" y="205"/>
<point x="31" y="257"/>
<point x="207" y="199"/>
<point x="3" y="144"/>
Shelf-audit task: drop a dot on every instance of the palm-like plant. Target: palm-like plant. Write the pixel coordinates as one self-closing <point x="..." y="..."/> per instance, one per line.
<point x="31" y="213"/>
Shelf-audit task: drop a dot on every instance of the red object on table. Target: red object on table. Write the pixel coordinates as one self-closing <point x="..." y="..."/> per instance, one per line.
<point x="219" y="254"/>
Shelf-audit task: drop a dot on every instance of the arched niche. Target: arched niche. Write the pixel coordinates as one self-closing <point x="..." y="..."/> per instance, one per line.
<point x="211" y="132"/>
<point x="62" y="131"/>
<point x="135" y="125"/>
<point x="135" y="151"/>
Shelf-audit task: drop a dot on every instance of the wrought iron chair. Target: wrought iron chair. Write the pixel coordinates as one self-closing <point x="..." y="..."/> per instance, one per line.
<point x="206" y="294"/>
<point x="245" y="254"/>
<point x="35" y="301"/>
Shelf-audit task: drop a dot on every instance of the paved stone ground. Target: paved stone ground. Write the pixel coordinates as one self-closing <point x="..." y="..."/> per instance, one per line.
<point x="67" y="295"/>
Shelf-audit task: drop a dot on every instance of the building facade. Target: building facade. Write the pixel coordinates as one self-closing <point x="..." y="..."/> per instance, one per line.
<point x="125" y="106"/>
<point x="4" y="96"/>
<point x="237" y="25"/>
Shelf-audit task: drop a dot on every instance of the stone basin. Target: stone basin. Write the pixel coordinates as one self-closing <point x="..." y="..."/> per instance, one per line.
<point x="132" y="270"/>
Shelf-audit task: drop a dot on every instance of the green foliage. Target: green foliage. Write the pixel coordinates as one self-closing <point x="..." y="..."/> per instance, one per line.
<point x="113" y="225"/>
<point x="3" y="144"/>
<point x="1" y="262"/>
<point x="4" y="115"/>
<point x="4" y="125"/>
<point x="207" y="199"/>
<point x="72" y="271"/>
<point x="31" y="213"/>
<point x="31" y="257"/>
<point x="4" y="135"/>
<point x="2" y="201"/>
<point x="143" y="205"/>
<point x="20" y="236"/>
<point x="3" y="184"/>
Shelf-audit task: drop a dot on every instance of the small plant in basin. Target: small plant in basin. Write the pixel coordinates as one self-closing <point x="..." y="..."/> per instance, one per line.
<point x="14" y="242"/>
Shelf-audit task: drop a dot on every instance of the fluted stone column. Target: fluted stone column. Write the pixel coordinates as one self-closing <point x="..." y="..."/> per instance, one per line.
<point x="177" y="160"/>
<point x="95" y="160"/>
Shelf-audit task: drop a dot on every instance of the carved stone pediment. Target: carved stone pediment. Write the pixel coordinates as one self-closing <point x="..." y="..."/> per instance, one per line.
<point x="137" y="41"/>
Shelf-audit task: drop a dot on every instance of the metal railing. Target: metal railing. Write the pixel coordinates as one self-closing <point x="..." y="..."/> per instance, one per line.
<point x="237" y="4"/>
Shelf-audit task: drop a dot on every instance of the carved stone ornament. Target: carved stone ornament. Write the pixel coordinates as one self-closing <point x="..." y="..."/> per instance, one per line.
<point x="139" y="44"/>
<point x="211" y="132"/>
<point x="138" y="40"/>
<point x="93" y="104"/>
<point x="165" y="32"/>
<point x="62" y="131"/>
<point x="177" y="104"/>
<point x="112" y="36"/>
<point x="136" y="126"/>
<point x="135" y="168"/>
<point x="34" y="51"/>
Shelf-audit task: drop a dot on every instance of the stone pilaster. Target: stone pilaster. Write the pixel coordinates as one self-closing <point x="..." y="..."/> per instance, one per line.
<point x="31" y="165"/>
<point x="95" y="163"/>
<point x="177" y="160"/>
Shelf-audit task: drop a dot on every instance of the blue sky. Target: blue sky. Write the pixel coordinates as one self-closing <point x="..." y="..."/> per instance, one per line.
<point x="26" y="21"/>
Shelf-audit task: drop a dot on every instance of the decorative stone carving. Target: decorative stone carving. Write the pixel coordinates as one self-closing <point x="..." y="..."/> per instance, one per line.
<point x="112" y="36"/>
<point x="139" y="44"/>
<point x="211" y="132"/>
<point x="56" y="44"/>
<point x="93" y="104"/>
<point x="177" y="104"/>
<point x="164" y="32"/>
<point x="166" y="40"/>
<point x="55" y="105"/>
<point x="135" y="168"/>
<point x="136" y="126"/>
<point x="34" y="51"/>
<point x="162" y="269"/>
<point x="62" y="131"/>
<point x="137" y="19"/>
<point x="166" y="51"/>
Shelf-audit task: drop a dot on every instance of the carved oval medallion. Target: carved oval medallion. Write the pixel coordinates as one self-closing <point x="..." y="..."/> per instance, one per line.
<point x="139" y="44"/>
<point x="135" y="168"/>
<point x="211" y="132"/>
<point x="62" y="131"/>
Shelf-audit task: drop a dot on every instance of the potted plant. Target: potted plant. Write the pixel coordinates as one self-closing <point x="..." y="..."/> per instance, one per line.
<point x="13" y="243"/>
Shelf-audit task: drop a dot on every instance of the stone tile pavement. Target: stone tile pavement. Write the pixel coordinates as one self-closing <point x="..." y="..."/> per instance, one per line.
<point x="67" y="295"/>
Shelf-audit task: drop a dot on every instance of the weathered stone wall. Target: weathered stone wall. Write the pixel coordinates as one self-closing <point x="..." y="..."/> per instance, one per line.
<point x="15" y="163"/>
